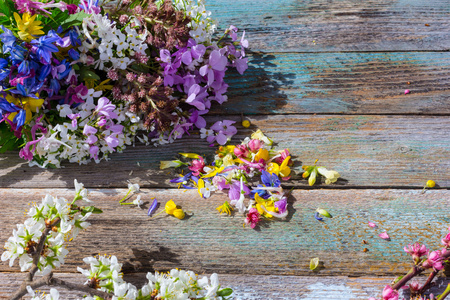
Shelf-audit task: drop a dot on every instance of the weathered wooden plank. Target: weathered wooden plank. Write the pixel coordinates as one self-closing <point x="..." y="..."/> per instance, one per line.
<point x="368" y="151"/>
<point x="342" y="25"/>
<point x="349" y="83"/>
<point x="253" y="287"/>
<point x="207" y="242"/>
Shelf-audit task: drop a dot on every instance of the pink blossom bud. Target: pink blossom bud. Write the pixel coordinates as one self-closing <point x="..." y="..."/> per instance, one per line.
<point x="407" y="92"/>
<point x="254" y="145"/>
<point x="389" y="293"/>
<point x="446" y="240"/>
<point x="416" y="251"/>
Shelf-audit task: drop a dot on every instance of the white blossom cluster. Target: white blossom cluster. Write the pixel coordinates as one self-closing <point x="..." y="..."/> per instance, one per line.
<point x="115" y="47"/>
<point x="72" y="141"/>
<point x="25" y="238"/>
<point x="202" y="25"/>
<point x="105" y="273"/>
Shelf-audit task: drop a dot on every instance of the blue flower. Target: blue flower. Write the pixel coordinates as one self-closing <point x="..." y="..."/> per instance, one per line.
<point x="43" y="72"/>
<point x="8" y="39"/>
<point x="270" y="179"/>
<point x="44" y="47"/>
<point x="19" y="119"/>
<point x="7" y="107"/>
<point x="18" y="54"/>
<point x="24" y="67"/>
<point x="73" y="36"/>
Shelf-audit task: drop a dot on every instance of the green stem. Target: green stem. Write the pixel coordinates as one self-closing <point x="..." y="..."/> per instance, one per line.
<point x="445" y="293"/>
<point x="159" y="213"/>
<point x="123" y="199"/>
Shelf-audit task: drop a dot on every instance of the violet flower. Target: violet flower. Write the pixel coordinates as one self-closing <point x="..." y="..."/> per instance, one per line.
<point x="105" y="108"/>
<point x="224" y="130"/>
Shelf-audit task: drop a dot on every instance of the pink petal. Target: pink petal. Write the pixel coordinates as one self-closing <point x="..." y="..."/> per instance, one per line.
<point x="373" y="225"/>
<point x="407" y="92"/>
<point x="384" y="236"/>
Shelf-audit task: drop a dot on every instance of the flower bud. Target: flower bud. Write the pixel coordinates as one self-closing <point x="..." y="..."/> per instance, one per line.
<point x="254" y="145"/>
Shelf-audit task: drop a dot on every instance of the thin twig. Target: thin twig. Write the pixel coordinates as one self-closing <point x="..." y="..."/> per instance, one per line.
<point x="49" y="280"/>
<point x="427" y="284"/>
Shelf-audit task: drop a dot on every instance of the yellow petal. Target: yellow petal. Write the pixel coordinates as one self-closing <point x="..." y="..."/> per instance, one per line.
<point x="17" y="18"/>
<point x="262" y="153"/>
<point x="179" y="214"/>
<point x="34" y="104"/>
<point x="11" y="116"/>
<point x="273" y="168"/>
<point x="314" y="263"/>
<point x="170" y="207"/>
<point x="201" y="184"/>
<point x="190" y="155"/>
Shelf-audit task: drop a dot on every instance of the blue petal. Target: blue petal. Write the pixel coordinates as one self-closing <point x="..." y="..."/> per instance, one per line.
<point x="19" y="119"/>
<point x="316" y="215"/>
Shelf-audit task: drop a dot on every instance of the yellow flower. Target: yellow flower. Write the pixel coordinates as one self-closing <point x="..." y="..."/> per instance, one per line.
<point x="262" y="153"/>
<point x="29" y="104"/>
<point x="431" y="184"/>
<point x="28" y="26"/>
<point x="269" y="205"/>
<point x="179" y="214"/>
<point x="170" y="207"/>
<point x="273" y="168"/>
<point x="330" y="175"/>
<point x="225" y="208"/>
<point x="284" y="169"/>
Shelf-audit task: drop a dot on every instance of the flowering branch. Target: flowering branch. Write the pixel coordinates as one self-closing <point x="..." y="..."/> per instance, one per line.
<point x="434" y="260"/>
<point x="39" y="245"/>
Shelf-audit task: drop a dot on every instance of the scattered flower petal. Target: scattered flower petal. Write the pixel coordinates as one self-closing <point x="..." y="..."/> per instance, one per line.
<point x="314" y="263"/>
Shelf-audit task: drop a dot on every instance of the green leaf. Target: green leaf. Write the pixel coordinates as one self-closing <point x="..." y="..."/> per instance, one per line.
<point x="74" y="20"/>
<point x="8" y="141"/>
<point x="85" y="73"/>
<point x="314" y="263"/>
<point x="225" y="292"/>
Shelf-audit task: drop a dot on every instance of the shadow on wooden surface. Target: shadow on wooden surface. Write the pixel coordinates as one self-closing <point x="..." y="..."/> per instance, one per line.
<point x="208" y="242"/>
<point x="368" y="151"/>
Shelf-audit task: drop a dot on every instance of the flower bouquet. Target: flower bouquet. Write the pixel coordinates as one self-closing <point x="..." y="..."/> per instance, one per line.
<point x="80" y="78"/>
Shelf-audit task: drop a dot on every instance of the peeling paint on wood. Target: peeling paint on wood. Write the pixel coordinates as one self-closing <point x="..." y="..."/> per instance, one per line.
<point x="209" y="242"/>
<point x="368" y="151"/>
<point x="349" y="83"/>
<point x="341" y="25"/>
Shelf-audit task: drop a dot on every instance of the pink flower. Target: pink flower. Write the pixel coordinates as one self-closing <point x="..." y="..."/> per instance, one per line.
<point x="389" y="293"/>
<point x="384" y="236"/>
<point x="434" y="261"/>
<point x="446" y="241"/>
<point x="416" y="251"/>
<point x="414" y="286"/>
<point x="283" y="155"/>
<point x="241" y="151"/>
<point x="252" y="217"/>
<point x="197" y="166"/>
<point x="254" y="145"/>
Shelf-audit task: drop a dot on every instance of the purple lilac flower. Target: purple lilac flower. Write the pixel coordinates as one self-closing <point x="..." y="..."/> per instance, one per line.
<point x="224" y="130"/>
<point x="235" y="190"/>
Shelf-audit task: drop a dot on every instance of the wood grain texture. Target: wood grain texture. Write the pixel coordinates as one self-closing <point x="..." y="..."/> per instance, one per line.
<point x="257" y="287"/>
<point x="206" y="242"/>
<point x="339" y="25"/>
<point x="348" y="83"/>
<point x="368" y="151"/>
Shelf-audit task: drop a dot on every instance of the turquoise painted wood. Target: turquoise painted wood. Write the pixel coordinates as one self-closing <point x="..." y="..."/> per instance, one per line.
<point x="207" y="242"/>
<point x="341" y="25"/>
<point x="341" y="83"/>
<point x="368" y="151"/>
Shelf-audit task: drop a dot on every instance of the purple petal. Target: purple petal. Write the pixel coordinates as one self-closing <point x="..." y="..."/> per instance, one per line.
<point x="186" y="58"/>
<point x="152" y="208"/>
<point x="217" y="61"/>
<point x="221" y="139"/>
